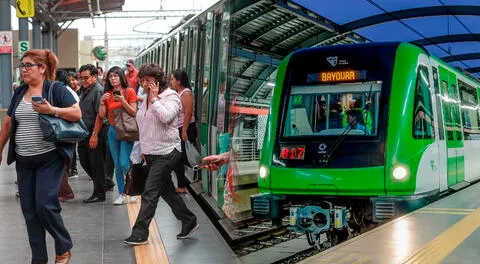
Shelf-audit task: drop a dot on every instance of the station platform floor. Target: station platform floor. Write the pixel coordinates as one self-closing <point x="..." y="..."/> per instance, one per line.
<point x="446" y="231"/>
<point x="98" y="230"/>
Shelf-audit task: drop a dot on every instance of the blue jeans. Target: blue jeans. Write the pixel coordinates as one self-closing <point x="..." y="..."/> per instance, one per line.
<point x="120" y="151"/>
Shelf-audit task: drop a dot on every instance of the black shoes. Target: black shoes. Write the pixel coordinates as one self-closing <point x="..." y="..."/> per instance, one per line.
<point x="94" y="199"/>
<point x="135" y="241"/>
<point x="188" y="231"/>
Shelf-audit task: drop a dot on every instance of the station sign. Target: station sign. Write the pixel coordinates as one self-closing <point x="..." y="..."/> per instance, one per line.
<point x="23" y="46"/>
<point x="6" y="42"/>
<point x="25" y="8"/>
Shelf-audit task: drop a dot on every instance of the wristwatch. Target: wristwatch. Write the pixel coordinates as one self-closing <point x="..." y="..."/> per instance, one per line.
<point x="154" y="100"/>
<point x="56" y="112"/>
<point x="94" y="133"/>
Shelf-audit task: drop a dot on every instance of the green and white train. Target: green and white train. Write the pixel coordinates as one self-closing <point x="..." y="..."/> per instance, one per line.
<point x="364" y="133"/>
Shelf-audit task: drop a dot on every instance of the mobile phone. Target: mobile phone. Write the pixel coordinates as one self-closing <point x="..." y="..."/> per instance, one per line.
<point x="117" y="93"/>
<point x="204" y="165"/>
<point x="37" y="99"/>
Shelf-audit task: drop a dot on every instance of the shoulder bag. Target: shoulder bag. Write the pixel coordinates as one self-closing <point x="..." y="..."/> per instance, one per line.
<point x="59" y="130"/>
<point x="126" y="126"/>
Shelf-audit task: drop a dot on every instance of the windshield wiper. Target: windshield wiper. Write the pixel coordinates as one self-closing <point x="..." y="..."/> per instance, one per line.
<point x="325" y="159"/>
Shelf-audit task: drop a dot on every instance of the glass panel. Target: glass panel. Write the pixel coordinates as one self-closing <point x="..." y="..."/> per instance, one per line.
<point x="422" y="107"/>
<point x="469" y="109"/>
<point x="332" y="109"/>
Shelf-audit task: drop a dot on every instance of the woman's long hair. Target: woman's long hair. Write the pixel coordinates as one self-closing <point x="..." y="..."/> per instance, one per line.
<point x="182" y="76"/>
<point x="44" y="57"/>
<point x="119" y="72"/>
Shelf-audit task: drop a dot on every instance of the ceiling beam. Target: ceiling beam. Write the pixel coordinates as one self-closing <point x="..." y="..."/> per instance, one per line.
<point x="473" y="10"/>
<point x="446" y="39"/>
<point x="473" y="69"/>
<point x="461" y="57"/>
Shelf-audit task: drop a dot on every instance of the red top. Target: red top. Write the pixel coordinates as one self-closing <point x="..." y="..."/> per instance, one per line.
<point x="132" y="79"/>
<point x="130" y="97"/>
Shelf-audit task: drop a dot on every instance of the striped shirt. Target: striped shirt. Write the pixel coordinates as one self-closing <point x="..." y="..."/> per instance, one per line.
<point x="181" y="115"/>
<point x="158" y="124"/>
<point x="29" y="137"/>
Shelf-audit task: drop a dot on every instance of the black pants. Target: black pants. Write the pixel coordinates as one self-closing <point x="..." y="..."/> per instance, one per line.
<point x="39" y="178"/>
<point x="92" y="161"/>
<point x="73" y="164"/>
<point x="159" y="183"/>
<point x="109" y="166"/>
<point x="179" y="167"/>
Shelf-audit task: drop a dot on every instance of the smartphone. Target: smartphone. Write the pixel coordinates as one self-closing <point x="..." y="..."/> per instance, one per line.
<point x="204" y="165"/>
<point x="117" y="93"/>
<point x="37" y="99"/>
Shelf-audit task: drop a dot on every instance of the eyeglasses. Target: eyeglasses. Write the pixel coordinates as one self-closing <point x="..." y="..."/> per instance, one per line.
<point x="27" y="66"/>
<point x="84" y="78"/>
<point x="113" y="76"/>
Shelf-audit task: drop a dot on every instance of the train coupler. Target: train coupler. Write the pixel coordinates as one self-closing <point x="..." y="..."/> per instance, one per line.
<point x="318" y="223"/>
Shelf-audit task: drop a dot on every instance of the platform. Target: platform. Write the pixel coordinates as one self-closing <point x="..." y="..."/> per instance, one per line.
<point x="98" y="230"/>
<point x="446" y="231"/>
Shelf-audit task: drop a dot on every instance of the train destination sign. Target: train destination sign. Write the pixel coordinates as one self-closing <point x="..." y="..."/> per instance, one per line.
<point x="336" y="76"/>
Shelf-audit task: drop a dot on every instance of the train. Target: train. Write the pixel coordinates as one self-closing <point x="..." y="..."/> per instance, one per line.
<point x="364" y="133"/>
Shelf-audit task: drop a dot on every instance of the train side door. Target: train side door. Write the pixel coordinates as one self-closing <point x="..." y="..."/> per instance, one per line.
<point x="452" y="124"/>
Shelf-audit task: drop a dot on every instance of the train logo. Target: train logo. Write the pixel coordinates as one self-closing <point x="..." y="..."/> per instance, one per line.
<point x="322" y="147"/>
<point x="333" y="60"/>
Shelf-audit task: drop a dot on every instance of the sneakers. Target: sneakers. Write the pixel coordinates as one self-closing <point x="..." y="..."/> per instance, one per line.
<point x="188" y="231"/>
<point x="135" y="241"/>
<point x="120" y="200"/>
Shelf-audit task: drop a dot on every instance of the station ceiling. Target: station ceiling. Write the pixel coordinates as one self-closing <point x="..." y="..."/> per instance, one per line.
<point x="448" y="29"/>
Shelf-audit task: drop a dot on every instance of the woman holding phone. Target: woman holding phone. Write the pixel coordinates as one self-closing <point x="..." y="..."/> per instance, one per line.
<point x="40" y="164"/>
<point x="160" y="144"/>
<point x="117" y="95"/>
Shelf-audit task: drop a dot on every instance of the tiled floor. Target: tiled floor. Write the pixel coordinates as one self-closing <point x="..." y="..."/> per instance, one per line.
<point x="98" y="229"/>
<point x="428" y="235"/>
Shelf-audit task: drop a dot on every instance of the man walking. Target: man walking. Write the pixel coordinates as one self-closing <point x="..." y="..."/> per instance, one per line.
<point x="92" y="159"/>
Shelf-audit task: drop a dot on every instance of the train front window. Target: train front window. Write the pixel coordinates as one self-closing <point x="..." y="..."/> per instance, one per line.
<point x="326" y="110"/>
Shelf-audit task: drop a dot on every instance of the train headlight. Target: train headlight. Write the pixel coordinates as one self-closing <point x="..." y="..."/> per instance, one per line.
<point x="400" y="172"/>
<point x="263" y="172"/>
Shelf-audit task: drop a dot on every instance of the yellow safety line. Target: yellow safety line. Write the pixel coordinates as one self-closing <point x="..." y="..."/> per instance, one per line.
<point x="439" y="248"/>
<point x="154" y="251"/>
<point x="448" y="209"/>
<point x="442" y="212"/>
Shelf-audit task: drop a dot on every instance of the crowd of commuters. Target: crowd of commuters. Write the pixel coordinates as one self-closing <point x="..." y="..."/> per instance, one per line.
<point x="162" y="105"/>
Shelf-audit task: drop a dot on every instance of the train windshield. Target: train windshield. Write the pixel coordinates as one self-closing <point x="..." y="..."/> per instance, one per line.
<point x="333" y="109"/>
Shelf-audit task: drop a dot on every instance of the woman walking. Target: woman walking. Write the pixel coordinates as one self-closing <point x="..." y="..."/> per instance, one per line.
<point x="118" y="95"/>
<point x="160" y="144"/>
<point x="186" y="123"/>
<point x="40" y="164"/>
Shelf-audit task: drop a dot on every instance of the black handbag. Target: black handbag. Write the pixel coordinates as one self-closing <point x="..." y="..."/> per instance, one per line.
<point x="59" y="130"/>
<point x="135" y="180"/>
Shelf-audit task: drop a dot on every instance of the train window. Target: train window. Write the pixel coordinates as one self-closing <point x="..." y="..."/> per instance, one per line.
<point x="422" y="107"/>
<point x="468" y="108"/>
<point x="326" y="110"/>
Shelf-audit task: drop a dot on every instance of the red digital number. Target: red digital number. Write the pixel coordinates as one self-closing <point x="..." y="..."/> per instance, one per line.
<point x="292" y="153"/>
<point x="284" y="153"/>
<point x="300" y="152"/>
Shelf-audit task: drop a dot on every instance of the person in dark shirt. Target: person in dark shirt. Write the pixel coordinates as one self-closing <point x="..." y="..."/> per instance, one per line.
<point x="92" y="159"/>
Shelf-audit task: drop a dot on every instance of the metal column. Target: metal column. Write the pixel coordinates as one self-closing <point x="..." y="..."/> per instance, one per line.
<point x="37" y="34"/>
<point x="5" y="59"/>
<point x="47" y="37"/>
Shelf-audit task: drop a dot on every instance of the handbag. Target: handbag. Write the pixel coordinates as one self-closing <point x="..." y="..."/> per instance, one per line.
<point x="125" y="125"/>
<point x="59" y="130"/>
<point x="135" y="180"/>
<point x="193" y="157"/>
